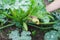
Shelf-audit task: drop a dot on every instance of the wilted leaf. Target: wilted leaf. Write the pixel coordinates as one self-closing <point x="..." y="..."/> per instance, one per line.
<point x="25" y="26"/>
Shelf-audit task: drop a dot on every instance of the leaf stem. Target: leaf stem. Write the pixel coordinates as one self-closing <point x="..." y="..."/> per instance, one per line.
<point x="6" y="26"/>
<point x="42" y="28"/>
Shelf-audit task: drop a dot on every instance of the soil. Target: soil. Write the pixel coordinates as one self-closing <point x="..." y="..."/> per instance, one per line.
<point x="38" y="36"/>
<point x="4" y="33"/>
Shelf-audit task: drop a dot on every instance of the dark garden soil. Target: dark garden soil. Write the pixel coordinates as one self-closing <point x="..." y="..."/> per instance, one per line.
<point x="38" y="36"/>
<point x="4" y="33"/>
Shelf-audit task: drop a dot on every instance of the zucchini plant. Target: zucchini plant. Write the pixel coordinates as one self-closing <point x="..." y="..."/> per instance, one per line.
<point x="25" y="35"/>
<point x="28" y="12"/>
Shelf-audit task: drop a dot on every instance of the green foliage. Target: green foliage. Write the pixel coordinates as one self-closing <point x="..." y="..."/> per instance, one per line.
<point x="35" y="8"/>
<point x="5" y="4"/>
<point x="25" y="26"/>
<point x="33" y="33"/>
<point x="57" y="26"/>
<point x="8" y="2"/>
<point x="21" y="11"/>
<point x="59" y="33"/>
<point x="57" y="14"/>
<point x="18" y="24"/>
<point x="25" y="35"/>
<point x="2" y="18"/>
<point x="52" y="35"/>
<point x="14" y="4"/>
<point x="15" y="35"/>
<point x="2" y="21"/>
<point x="39" y="11"/>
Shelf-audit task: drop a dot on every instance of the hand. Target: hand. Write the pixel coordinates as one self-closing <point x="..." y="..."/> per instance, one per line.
<point x="53" y="6"/>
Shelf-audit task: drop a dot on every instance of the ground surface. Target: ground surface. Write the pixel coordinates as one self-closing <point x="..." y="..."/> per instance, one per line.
<point x="3" y="35"/>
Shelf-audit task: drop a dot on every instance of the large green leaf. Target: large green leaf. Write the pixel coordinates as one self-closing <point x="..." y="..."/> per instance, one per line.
<point x="52" y="35"/>
<point x="57" y="26"/>
<point x="25" y="35"/>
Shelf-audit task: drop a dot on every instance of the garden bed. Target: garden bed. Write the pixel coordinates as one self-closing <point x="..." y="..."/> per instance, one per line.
<point x="28" y="20"/>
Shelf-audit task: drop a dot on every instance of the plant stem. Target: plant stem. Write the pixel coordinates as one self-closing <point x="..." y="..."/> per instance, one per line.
<point x="43" y="28"/>
<point x="6" y="26"/>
